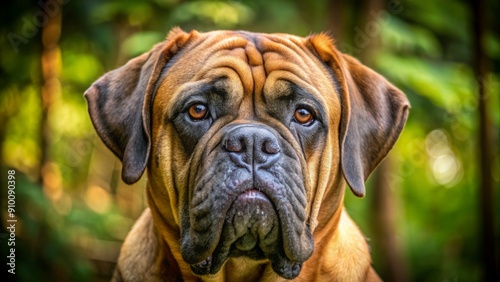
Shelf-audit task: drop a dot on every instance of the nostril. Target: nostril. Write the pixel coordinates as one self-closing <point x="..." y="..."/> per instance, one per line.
<point x="270" y="147"/>
<point x="233" y="145"/>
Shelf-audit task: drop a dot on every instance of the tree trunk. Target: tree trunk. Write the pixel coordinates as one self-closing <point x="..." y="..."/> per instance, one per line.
<point x="392" y="266"/>
<point x="336" y="19"/>
<point x="51" y="89"/>
<point x="488" y="248"/>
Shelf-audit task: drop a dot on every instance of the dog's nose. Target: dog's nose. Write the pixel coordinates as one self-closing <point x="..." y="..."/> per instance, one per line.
<point x="252" y="145"/>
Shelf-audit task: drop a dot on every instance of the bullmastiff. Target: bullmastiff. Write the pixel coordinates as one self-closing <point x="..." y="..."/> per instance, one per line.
<point x="248" y="140"/>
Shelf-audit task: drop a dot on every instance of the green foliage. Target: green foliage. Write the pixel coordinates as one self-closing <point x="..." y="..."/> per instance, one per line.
<point x="224" y="14"/>
<point x="141" y="42"/>
<point x="45" y="250"/>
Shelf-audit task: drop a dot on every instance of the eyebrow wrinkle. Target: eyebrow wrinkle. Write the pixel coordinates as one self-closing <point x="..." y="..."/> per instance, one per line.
<point x="256" y="64"/>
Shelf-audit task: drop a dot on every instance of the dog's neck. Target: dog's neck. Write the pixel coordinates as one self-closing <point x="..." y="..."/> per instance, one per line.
<point x="335" y="247"/>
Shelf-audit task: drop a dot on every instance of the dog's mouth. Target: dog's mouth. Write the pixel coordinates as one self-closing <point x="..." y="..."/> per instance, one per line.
<point x="258" y="225"/>
<point x="250" y="226"/>
<point x="251" y="219"/>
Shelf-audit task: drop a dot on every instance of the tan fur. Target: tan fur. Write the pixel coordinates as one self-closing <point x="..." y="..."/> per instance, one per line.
<point x="255" y="70"/>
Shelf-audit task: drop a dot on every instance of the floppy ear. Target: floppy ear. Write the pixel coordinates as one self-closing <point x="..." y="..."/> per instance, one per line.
<point x="119" y="104"/>
<point x="373" y="113"/>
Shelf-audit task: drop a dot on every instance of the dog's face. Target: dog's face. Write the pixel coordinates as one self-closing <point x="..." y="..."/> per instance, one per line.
<point x="251" y="122"/>
<point x="242" y="134"/>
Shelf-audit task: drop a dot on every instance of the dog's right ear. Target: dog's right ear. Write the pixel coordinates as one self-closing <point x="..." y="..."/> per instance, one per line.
<point x="119" y="104"/>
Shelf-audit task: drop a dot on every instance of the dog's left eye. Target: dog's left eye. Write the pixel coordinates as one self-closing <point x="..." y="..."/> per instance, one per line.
<point x="198" y="111"/>
<point x="303" y="117"/>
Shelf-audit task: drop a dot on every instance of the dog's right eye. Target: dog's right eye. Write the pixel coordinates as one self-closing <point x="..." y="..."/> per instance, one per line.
<point x="198" y="112"/>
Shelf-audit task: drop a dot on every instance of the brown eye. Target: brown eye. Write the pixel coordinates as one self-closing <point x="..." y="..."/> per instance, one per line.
<point x="303" y="116"/>
<point x="198" y="111"/>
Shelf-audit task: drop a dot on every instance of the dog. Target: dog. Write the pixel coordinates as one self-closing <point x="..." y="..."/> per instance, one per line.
<point x="249" y="140"/>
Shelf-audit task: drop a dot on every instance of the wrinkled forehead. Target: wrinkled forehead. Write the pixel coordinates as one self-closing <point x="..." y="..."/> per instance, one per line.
<point x="247" y="64"/>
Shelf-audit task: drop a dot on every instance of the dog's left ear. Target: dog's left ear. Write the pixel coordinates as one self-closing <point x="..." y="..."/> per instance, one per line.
<point x="373" y="113"/>
<point x="120" y="104"/>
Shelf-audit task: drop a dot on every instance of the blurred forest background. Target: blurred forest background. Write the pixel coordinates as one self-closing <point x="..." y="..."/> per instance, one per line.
<point x="431" y="212"/>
